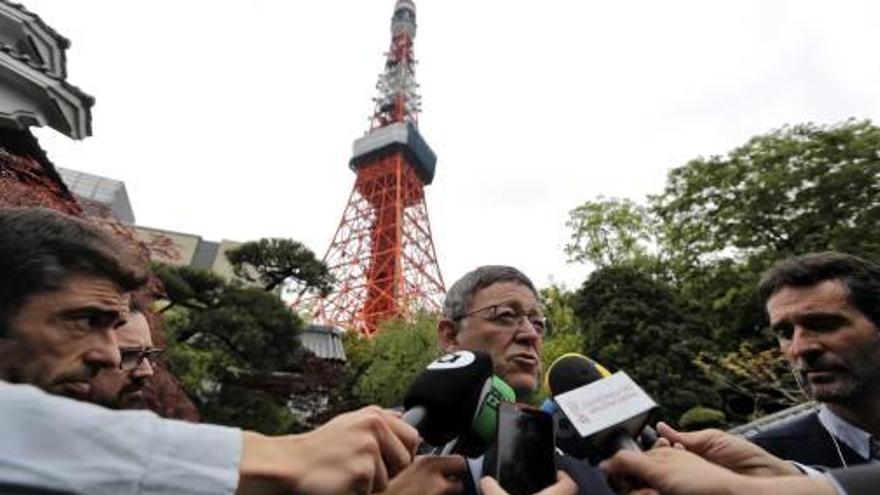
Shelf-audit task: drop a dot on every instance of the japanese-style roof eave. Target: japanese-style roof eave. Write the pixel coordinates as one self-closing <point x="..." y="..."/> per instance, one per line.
<point x="72" y="106"/>
<point x="47" y="42"/>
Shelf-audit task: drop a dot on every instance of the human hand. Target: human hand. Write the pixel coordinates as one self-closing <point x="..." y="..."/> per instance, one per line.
<point x="671" y="471"/>
<point x="730" y="451"/>
<point x="563" y="486"/>
<point x="354" y="453"/>
<point x="430" y="475"/>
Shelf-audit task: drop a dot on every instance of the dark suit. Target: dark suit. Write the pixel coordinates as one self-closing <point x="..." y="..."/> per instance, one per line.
<point x="805" y="440"/>
<point x="590" y="480"/>
<point x="860" y="480"/>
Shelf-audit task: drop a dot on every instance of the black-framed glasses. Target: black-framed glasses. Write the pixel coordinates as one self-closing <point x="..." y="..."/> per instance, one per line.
<point x="507" y="317"/>
<point x="132" y="357"/>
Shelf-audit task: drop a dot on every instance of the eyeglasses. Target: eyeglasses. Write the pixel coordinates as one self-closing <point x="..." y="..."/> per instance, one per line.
<point x="132" y="357"/>
<point x="507" y="317"/>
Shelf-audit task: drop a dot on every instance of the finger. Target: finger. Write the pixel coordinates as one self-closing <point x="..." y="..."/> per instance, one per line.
<point x="380" y="477"/>
<point x="408" y="435"/>
<point x="678" y="446"/>
<point x="694" y="441"/>
<point x="394" y="453"/>
<point x="661" y="442"/>
<point x="489" y="486"/>
<point x="564" y="486"/>
<point x="644" y="491"/>
<point x="625" y="463"/>
<point x="668" y="432"/>
<point x="451" y="465"/>
<point x="454" y="486"/>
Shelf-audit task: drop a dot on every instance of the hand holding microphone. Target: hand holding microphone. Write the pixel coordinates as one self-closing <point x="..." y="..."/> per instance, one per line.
<point x="597" y="413"/>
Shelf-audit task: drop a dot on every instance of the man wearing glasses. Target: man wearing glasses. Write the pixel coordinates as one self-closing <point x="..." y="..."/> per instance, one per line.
<point x="122" y="387"/>
<point x="496" y="309"/>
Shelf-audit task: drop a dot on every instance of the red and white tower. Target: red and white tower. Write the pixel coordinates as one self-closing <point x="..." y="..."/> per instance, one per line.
<point x="383" y="254"/>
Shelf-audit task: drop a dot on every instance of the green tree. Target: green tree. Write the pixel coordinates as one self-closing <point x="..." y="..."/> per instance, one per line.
<point x="273" y="262"/>
<point x="387" y="363"/>
<point x="721" y="221"/>
<point x="610" y="232"/>
<point x="754" y="383"/>
<point x="557" y="303"/>
<point x="188" y="287"/>
<point x="640" y="325"/>
<point x="235" y="348"/>
<point x="798" y="189"/>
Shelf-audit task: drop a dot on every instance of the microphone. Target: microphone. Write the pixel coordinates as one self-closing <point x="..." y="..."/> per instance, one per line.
<point x="596" y="412"/>
<point x="481" y="433"/>
<point x="453" y="395"/>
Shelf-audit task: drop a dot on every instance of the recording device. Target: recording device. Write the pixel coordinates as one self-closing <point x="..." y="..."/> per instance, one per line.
<point x="482" y="430"/>
<point x="525" y="460"/>
<point x="454" y="395"/>
<point x="596" y="413"/>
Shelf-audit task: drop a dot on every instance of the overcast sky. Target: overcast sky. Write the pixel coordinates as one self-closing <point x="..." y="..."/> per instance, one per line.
<point x="234" y="119"/>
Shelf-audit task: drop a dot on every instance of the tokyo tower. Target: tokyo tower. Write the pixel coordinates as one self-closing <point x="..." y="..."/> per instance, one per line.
<point x="382" y="254"/>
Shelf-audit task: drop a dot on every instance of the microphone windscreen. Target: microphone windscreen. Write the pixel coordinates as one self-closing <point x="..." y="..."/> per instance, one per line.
<point x="485" y="421"/>
<point x="450" y="390"/>
<point x="571" y="371"/>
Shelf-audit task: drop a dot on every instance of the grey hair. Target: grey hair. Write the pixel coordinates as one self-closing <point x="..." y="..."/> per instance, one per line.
<point x="460" y="296"/>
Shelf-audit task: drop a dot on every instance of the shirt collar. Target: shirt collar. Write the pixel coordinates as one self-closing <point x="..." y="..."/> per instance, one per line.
<point x="854" y="437"/>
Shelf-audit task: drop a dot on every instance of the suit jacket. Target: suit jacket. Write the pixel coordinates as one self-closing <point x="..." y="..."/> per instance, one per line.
<point x="805" y="440"/>
<point x="589" y="479"/>
<point x="859" y="480"/>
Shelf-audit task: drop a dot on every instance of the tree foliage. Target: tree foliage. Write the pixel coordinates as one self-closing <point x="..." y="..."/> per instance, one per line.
<point x="229" y="344"/>
<point x="384" y="366"/>
<point x="798" y="189"/>
<point x="754" y="382"/>
<point x="721" y="221"/>
<point x="610" y="232"/>
<point x="557" y="303"/>
<point x="272" y="262"/>
<point x="639" y="325"/>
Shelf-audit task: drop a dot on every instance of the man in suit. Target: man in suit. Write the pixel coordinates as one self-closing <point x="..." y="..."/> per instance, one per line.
<point x="825" y="310"/>
<point x="496" y="309"/>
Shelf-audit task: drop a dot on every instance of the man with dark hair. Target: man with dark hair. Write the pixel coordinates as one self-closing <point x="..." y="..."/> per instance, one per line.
<point x="64" y="288"/>
<point x="825" y="311"/>
<point x="64" y="292"/>
<point x="496" y="309"/>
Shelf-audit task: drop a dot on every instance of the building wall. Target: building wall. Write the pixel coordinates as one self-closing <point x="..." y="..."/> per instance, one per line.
<point x="221" y="265"/>
<point x="185" y="244"/>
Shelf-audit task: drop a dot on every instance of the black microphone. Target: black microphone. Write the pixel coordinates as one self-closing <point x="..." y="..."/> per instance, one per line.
<point x="612" y="412"/>
<point x="443" y="401"/>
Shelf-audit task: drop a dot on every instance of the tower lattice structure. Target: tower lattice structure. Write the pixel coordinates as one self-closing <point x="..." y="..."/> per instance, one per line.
<point x="382" y="254"/>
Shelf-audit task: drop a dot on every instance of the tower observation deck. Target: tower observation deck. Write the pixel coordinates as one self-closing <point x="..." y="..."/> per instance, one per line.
<point x="382" y="254"/>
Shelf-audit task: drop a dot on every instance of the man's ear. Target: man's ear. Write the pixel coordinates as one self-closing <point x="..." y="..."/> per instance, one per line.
<point x="447" y="335"/>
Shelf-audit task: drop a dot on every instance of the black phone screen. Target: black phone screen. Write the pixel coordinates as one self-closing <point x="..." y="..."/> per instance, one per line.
<point x="525" y="462"/>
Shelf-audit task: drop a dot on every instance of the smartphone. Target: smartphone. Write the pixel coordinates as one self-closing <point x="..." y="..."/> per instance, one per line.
<point x="525" y="458"/>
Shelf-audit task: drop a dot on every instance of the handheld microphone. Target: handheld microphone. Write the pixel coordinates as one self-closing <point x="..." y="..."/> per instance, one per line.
<point x="596" y="413"/>
<point x="449" y="396"/>
<point x="483" y="428"/>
